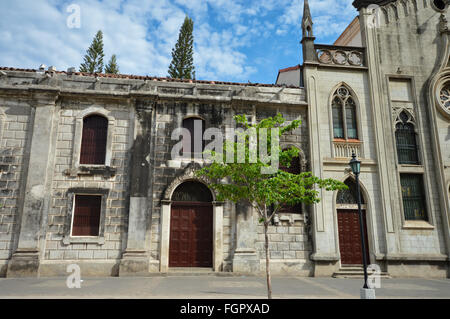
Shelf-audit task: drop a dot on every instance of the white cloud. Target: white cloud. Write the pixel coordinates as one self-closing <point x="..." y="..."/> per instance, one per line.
<point x="143" y="33"/>
<point x="330" y="17"/>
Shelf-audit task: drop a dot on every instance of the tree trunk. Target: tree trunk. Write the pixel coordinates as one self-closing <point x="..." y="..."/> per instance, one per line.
<point x="269" y="282"/>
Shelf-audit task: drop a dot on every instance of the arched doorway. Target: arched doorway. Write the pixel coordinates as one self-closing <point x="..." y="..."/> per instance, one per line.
<point x="350" y="247"/>
<point x="191" y="226"/>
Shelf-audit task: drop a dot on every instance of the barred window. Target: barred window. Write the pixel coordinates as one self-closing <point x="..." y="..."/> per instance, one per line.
<point x="405" y="137"/>
<point x="93" y="141"/>
<point x="413" y="196"/>
<point x="344" y="114"/>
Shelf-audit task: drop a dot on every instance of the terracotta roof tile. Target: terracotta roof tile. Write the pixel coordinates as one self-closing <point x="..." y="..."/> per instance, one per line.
<point x="292" y="68"/>
<point x="153" y="78"/>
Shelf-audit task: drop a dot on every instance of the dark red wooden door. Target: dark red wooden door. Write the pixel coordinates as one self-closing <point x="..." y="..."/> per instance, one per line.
<point x="191" y="235"/>
<point x="350" y="237"/>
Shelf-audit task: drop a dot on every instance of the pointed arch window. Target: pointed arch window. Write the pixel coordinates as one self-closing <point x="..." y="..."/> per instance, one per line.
<point x="405" y="137"/>
<point x="344" y="114"/>
<point x="93" y="141"/>
<point x="349" y="196"/>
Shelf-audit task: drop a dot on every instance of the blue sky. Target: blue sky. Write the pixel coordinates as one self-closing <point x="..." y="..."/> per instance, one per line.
<point x="234" y="40"/>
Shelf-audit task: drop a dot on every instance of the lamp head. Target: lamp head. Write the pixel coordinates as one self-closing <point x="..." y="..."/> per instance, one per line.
<point x="355" y="165"/>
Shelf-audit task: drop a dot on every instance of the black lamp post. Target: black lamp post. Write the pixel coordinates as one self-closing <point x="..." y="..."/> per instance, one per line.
<point x="356" y="169"/>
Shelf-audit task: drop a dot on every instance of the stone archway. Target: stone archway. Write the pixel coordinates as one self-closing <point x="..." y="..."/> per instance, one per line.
<point x="191" y="226"/>
<point x="350" y="247"/>
<point x="166" y="217"/>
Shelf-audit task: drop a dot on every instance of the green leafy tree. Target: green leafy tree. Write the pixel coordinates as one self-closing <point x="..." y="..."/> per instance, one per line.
<point x="112" y="66"/>
<point x="266" y="193"/>
<point x="182" y="65"/>
<point x="93" y="59"/>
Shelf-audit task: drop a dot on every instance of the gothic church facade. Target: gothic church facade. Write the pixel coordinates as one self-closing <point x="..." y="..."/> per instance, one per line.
<point x="88" y="178"/>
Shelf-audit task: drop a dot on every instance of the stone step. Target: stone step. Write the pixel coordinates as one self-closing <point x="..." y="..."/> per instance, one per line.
<point x="355" y="272"/>
<point x="190" y="271"/>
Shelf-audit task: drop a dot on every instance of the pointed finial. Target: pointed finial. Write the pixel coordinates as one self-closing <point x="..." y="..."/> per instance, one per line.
<point x="307" y="20"/>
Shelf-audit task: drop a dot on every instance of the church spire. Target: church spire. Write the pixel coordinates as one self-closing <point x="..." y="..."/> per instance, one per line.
<point x="307" y="24"/>
<point x="309" y="53"/>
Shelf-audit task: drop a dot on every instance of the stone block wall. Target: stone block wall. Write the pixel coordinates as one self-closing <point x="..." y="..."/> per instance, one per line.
<point x="286" y="241"/>
<point x="117" y="202"/>
<point x="169" y="115"/>
<point x="14" y="119"/>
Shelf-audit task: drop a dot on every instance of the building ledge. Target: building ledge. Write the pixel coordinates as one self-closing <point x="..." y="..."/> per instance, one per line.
<point x="417" y="224"/>
<point x="99" y="240"/>
<point x="414" y="257"/>
<point x="106" y="171"/>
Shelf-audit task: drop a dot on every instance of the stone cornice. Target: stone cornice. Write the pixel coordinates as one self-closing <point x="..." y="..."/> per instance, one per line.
<point x="358" y="4"/>
<point x="26" y="84"/>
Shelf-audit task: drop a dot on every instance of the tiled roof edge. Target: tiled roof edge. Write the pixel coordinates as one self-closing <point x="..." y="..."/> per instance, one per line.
<point x="145" y="77"/>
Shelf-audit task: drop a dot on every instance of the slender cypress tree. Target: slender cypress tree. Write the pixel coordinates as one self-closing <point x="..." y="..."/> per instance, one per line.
<point x="112" y="66"/>
<point x="182" y="65"/>
<point x="93" y="59"/>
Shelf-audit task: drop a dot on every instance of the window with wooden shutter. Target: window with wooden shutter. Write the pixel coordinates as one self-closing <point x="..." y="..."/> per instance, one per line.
<point x="93" y="141"/>
<point x="189" y="144"/>
<point x="86" y="218"/>
<point x="294" y="168"/>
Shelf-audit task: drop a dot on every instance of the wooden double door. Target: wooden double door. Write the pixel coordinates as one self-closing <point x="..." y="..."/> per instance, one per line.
<point x="191" y="235"/>
<point x="350" y="245"/>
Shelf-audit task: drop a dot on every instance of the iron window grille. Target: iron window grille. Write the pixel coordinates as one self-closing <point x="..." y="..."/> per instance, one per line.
<point x="413" y="196"/>
<point x="405" y="137"/>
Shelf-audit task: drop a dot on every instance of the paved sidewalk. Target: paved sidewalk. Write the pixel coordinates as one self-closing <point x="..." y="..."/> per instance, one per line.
<point x="223" y="287"/>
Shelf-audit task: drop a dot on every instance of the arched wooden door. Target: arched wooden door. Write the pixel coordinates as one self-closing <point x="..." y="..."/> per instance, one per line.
<point x="191" y="226"/>
<point x="350" y="246"/>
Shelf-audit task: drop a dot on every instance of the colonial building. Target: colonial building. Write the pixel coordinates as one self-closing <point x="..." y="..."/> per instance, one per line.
<point x="88" y="176"/>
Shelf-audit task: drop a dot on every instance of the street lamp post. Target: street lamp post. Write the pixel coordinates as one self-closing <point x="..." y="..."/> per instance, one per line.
<point x="356" y="169"/>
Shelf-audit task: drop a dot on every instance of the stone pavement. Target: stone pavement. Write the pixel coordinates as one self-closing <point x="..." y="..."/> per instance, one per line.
<point x="220" y="287"/>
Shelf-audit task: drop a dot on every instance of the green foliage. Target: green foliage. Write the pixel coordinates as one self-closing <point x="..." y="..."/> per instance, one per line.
<point x="182" y="65"/>
<point x="93" y="59"/>
<point x="266" y="192"/>
<point x="112" y="67"/>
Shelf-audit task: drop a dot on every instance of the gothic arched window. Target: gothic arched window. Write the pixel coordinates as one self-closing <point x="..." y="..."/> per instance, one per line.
<point x="405" y="137"/>
<point x="93" y="141"/>
<point x="344" y="114"/>
<point x="349" y="196"/>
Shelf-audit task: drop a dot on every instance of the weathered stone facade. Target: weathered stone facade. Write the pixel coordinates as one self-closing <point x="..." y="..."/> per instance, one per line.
<point x="401" y="65"/>
<point x="138" y="177"/>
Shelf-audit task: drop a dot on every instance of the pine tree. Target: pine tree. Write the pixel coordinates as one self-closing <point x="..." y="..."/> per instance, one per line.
<point x="93" y="59"/>
<point x="112" y="66"/>
<point x="182" y="65"/>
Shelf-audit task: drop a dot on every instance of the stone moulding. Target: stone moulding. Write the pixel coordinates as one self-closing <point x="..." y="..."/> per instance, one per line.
<point x="90" y="170"/>
<point x="340" y="55"/>
<point x="102" y="87"/>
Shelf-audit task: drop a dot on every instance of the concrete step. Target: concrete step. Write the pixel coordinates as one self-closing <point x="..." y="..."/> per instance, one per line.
<point x="355" y="272"/>
<point x="190" y="271"/>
